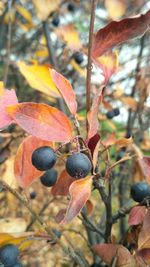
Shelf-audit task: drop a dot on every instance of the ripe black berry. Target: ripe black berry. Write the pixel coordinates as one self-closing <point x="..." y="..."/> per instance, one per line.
<point x="56" y="20"/>
<point x="110" y="114"/>
<point x="49" y="178"/>
<point x="139" y="191"/>
<point x="78" y="57"/>
<point x="33" y="195"/>
<point x="9" y="255"/>
<point x="43" y="158"/>
<point x="71" y="7"/>
<point x="116" y="111"/>
<point x="17" y="264"/>
<point x="78" y="165"/>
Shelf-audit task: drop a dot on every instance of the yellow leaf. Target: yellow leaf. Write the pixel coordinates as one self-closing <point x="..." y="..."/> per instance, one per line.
<point x="116" y="8"/>
<point x="24" y="12"/>
<point x="38" y="76"/>
<point x="1" y="88"/>
<point x="41" y="53"/>
<point x="12" y="225"/>
<point x="70" y="36"/>
<point x="45" y="7"/>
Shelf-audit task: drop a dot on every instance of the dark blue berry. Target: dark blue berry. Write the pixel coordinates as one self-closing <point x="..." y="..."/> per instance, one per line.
<point x="71" y="7"/>
<point x="78" y="165"/>
<point x="56" y="20"/>
<point x="78" y="57"/>
<point x="49" y="178"/>
<point x="33" y="195"/>
<point x="116" y="111"/>
<point x="110" y="114"/>
<point x="44" y="158"/>
<point x="9" y="255"/>
<point x="139" y="191"/>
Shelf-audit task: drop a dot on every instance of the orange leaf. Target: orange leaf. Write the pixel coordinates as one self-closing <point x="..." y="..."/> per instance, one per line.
<point x="118" y="32"/>
<point x="136" y="215"/>
<point x="144" y="235"/>
<point x="129" y="101"/>
<point x="92" y="115"/>
<point x="43" y="121"/>
<point x="70" y="36"/>
<point x="24" y="171"/>
<point x="115" y="8"/>
<point x="65" y="89"/>
<point x="108" y="63"/>
<point x="80" y="191"/>
<point x="61" y="188"/>
<point x="108" y="252"/>
<point x="39" y="78"/>
<point x="7" y="98"/>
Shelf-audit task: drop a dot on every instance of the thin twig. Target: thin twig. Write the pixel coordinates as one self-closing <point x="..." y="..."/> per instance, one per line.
<point x="88" y="79"/>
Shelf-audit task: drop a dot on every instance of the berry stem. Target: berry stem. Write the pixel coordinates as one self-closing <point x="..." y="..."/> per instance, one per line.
<point x="89" y="66"/>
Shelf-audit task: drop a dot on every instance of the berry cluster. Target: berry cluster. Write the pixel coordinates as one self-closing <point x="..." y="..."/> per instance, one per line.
<point x="78" y="165"/>
<point x="112" y="113"/>
<point x="9" y="256"/>
<point x="140" y="191"/>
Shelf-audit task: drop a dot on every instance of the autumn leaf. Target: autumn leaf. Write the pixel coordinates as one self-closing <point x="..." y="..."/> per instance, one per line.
<point x="129" y="101"/>
<point x="108" y="252"/>
<point x="65" y="90"/>
<point x="136" y="215"/>
<point x="45" y="7"/>
<point x="80" y="191"/>
<point x="7" y="97"/>
<point x="118" y="32"/>
<point x="38" y="76"/>
<point x="144" y="163"/>
<point x="108" y="63"/>
<point x="70" y="36"/>
<point x="42" y="121"/>
<point x="61" y="188"/>
<point x="115" y="8"/>
<point x="144" y="235"/>
<point x="92" y="115"/>
<point x="144" y="254"/>
<point x="24" y="171"/>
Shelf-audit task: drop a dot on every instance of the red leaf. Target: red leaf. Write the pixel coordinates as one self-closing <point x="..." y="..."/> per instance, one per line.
<point x="65" y="89"/>
<point x="118" y="32"/>
<point x="7" y="98"/>
<point x="145" y="166"/>
<point x="24" y="171"/>
<point x="60" y="215"/>
<point x="93" y="142"/>
<point x="107" y="252"/>
<point x="92" y="115"/>
<point x="43" y="121"/>
<point x="80" y="191"/>
<point x="145" y="255"/>
<point x="136" y="215"/>
<point x="144" y="235"/>
<point x="61" y="188"/>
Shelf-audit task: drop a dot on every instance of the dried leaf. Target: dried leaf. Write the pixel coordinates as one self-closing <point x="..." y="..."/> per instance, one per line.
<point x="145" y="167"/>
<point x="123" y="256"/>
<point x="118" y="32"/>
<point x="7" y="98"/>
<point x="123" y="142"/>
<point x="61" y="188"/>
<point x="65" y="90"/>
<point x="24" y="171"/>
<point x="42" y="121"/>
<point x="129" y="101"/>
<point x="145" y="255"/>
<point x="38" y="76"/>
<point x="136" y="215"/>
<point x="80" y="191"/>
<point x="144" y="235"/>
